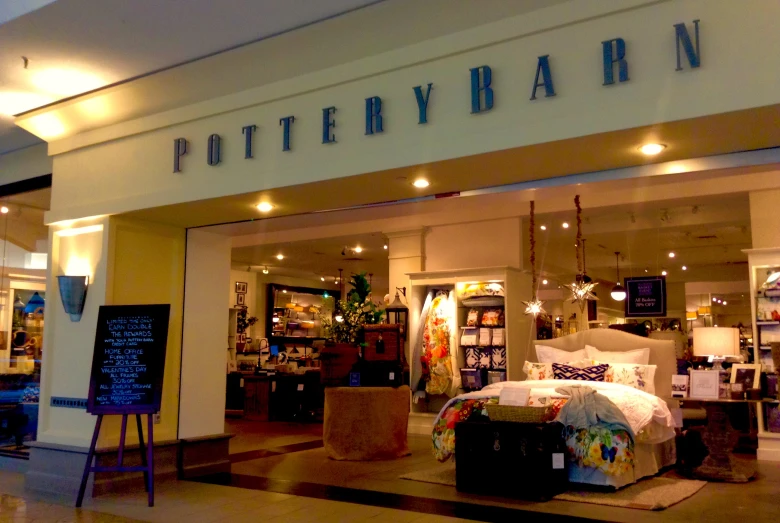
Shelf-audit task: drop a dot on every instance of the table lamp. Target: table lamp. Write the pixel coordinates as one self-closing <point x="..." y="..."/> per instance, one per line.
<point x="718" y="342"/>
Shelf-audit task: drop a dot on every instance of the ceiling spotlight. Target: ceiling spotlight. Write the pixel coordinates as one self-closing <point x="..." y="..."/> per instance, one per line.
<point x="265" y="270"/>
<point x="4" y="209"/>
<point x="544" y="282"/>
<point x="646" y="270"/>
<point x="651" y="149"/>
<point x="322" y="278"/>
<point x="421" y="183"/>
<point x="264" y="207"/>
<point x="385" y="246"/>
<point x="725" y="302"/>
<point x="565" y="225"/>
<point x="685" y="268"/>
<point x="284" y="291"/>
<point x="280" y="256"/>
<point x="671" y="255"/>
<point x="358" y="249"/>
<point x="714" y="299"/>
<point x="663" y="273"/>
<point x="543" y="227"/>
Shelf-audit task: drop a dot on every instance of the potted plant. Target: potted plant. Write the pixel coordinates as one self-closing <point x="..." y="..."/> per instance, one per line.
<point x="243" y="322"/>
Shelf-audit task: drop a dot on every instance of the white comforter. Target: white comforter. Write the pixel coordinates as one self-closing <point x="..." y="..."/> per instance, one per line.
<point x="643" y="411"/>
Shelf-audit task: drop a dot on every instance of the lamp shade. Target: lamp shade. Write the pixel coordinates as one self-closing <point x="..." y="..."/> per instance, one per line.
<point x="691" y="315"/>
<point x="618" y="293"/>
<point x="715" y="341"/>
<point x="73" y="292"/>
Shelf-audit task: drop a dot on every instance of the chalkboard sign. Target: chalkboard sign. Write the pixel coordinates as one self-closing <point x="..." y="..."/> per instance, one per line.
<point x="646" y="297"/>
<point x="129" y="359"/>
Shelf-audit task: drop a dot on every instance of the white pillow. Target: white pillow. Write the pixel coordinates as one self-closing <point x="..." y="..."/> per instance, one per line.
<point x="547" y="354"/>
<point x="640" y="377"/>
<point x="638" y="356"/>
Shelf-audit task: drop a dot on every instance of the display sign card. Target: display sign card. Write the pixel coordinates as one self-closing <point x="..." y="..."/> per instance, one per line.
<point x="679" y="386"/>
<point x="516" y="397"/>
<point x="129" y="359"/>
<point x="646" y="297"/>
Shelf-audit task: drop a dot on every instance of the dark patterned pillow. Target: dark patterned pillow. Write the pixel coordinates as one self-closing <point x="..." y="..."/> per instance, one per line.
<point x="567" y="372"/>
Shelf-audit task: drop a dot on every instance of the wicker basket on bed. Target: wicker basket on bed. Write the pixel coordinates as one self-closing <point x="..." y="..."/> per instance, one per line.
<point x="519" y="414"/>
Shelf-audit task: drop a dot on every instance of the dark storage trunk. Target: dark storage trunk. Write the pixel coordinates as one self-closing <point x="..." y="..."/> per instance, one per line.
<point x="379" y="373"/>
<point x="517" y="460"/>
<point x="383" y="342"/>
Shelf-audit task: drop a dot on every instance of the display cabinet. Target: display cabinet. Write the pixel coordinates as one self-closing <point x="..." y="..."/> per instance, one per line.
<point x="513" y="337"/>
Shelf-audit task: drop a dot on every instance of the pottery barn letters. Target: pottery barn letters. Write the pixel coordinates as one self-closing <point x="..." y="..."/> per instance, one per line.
<point x="482" y="95"/>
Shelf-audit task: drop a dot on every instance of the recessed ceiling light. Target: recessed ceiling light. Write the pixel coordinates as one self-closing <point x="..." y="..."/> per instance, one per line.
<point x="725" y="302"/>
<point x="565" y="225"/>
<point x="544" y="282"/>
<point x="265" y="270"/>
<point x="284" y="291"/>
<point x="543" y="227"/>
<point x="671" y="255"/>
<point x="421" y="183"/>
<point x="264" y="207"/>
<point x="714" y="299"/>
<point x="651" y="149"/>
<point x="685" y="268"/>
<point x="385" y="246"/>
<point x="358" y="249"/>
<point x="280" y="256"/>
<point x="663" y="273"/>
<point x="322" y="278"/>
<point x="4" y="209"/>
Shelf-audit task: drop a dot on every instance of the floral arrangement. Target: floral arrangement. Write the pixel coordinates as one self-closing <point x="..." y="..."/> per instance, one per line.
<point x="356" y="310"/>
<point x="244" y="321"/>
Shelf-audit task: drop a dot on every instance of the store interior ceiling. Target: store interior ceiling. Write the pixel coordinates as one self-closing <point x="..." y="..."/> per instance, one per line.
<point x="24" y="227"/>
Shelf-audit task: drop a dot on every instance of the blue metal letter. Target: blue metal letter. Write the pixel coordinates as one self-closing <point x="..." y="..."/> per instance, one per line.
<point x="477" y="88"/>
<point x="286" y="122"/>
<point x="681" y="32"/>
<point x="543" y="66"/>
<point x="248" y="131"/>
<point x="328" y="123"/>
<point x="214" y="153"/>
<point x="374" y="115"/>
<point x="610" y="59"/>
<point x="422" y="102"/>
<point x="179" y="150"/>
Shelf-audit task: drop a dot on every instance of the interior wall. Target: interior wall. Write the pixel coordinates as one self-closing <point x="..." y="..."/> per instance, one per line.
<point x="251" y="297"/>
<point x="204" y="345"/>
<point x="491" y="243"/>
<point x="24" y="164"/>
<point x="763" y="218"/>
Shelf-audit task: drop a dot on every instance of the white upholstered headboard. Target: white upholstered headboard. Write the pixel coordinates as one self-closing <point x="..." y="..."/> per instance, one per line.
<point x="662" y="352"/>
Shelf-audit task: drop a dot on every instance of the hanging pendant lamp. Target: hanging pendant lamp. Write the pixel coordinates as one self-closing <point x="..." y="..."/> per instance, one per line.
<point x="582" y="288"/>
<point x="618" y="291"/>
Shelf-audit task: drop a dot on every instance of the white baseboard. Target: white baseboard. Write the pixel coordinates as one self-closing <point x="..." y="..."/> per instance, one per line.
<point x="768" y="454"/>
<point x="421" y="423"/>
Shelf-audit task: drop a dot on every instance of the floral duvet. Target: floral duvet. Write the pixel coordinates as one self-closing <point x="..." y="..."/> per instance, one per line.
<point x="608" y="449"/>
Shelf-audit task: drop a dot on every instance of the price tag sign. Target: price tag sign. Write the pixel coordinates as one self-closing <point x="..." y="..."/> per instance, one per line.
<point x="392" y="376"/>
<point x="557" y="459"/>
<point x="300" y="387"/>
<point x="354" y="379"/>
<point x="515" y="397"/>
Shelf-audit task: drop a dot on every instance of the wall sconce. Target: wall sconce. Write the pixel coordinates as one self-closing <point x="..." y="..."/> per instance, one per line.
<point x="73" y="292"/>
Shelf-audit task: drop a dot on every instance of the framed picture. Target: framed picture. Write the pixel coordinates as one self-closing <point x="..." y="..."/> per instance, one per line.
<point x="240" y="287"/>
<point x="705" y="384"/>
<point x="679" y="386"/>
<point x="749" y="375"/>
<point x="240" y="299"/>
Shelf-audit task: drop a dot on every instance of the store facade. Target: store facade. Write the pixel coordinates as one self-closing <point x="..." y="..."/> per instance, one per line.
<point x="353" y="119"/>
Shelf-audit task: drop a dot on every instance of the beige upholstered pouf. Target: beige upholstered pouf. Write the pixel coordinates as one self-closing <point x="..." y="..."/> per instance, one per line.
<point x="366" y="423"/>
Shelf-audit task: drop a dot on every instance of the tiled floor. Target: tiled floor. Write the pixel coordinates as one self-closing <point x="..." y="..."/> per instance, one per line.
<point x="200" y="503"/>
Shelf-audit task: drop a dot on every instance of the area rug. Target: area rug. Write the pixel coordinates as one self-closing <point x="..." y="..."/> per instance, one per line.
<point x="648" y="494"/>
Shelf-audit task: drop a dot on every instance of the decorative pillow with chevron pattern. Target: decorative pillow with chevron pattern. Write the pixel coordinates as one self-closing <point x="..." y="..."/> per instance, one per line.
<point x="562" y="371"/>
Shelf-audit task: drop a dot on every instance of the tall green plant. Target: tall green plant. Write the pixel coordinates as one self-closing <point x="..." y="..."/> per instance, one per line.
<point x="356" y="310"/>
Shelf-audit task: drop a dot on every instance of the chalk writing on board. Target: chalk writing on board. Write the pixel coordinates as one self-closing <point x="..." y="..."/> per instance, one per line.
<point x="129" y="356"/>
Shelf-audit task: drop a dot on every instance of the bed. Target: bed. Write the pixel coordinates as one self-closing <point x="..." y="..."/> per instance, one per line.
<point x="599" y="457"/>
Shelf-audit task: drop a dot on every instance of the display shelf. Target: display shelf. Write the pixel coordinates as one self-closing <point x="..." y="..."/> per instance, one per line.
<point x="765" y="323"/>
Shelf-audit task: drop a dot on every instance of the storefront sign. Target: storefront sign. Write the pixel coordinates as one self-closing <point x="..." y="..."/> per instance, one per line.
<point x="129" y="359"/>
<point x="614" y="60"/>
<point x="645" y="297"/>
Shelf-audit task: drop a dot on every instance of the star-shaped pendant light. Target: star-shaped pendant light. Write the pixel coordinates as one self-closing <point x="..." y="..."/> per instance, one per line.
<point x="582" y="291"/>
<point x="582" y="288"/>
<point x="534" y="306"/>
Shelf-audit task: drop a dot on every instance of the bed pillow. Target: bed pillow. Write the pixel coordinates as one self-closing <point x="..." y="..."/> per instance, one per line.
<point x="568" y="372"/>
<point x="641" y="377"/>
<point x="638" y="356"/>
<point x="544" y="371"/>
<point x="547" y="354"/>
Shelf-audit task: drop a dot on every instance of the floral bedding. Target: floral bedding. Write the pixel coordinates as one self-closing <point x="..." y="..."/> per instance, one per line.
<point x="608" y="449"/>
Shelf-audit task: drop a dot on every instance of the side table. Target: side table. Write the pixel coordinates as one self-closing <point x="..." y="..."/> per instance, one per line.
<point x="720" y="437"/>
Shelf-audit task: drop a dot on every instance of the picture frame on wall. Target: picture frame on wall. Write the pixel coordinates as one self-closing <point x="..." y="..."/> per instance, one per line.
<point x="705" y="384"/>
<point x="240" y="299"/>
<point x="241" y="287"/>
<point x="749" y="375"/>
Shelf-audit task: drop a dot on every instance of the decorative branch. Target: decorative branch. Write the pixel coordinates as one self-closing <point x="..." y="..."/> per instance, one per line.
<point x="578" y="244"/>
<point x="533" y="252"/>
